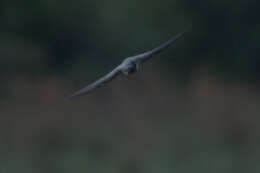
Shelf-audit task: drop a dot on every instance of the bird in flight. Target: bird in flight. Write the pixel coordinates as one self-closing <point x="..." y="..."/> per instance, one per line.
<point x="129" y="66"/>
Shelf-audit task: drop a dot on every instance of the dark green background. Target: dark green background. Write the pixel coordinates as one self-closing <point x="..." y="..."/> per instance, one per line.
<point x="193" y="108"/>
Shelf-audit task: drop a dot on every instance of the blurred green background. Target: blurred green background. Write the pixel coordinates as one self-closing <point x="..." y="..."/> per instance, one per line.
<point x="193" y="108"/>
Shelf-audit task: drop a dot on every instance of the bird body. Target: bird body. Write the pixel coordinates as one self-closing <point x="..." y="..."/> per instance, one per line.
<point x="129" y="66"/>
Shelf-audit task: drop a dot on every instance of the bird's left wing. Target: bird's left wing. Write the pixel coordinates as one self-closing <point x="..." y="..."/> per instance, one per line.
<point x="110" y="76"/>
<point x="147" y="55"/>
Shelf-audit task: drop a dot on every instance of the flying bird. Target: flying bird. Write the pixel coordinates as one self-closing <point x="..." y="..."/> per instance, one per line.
<point x="129" y="66"/>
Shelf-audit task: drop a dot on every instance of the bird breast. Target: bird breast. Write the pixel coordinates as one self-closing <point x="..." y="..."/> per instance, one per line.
<point x="132" y="69"/>
<point x="129" y="68"/>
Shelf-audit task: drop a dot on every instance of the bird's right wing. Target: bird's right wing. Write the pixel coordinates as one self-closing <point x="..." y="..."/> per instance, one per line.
<point x="110" y="76"/>
<point x="147" y="55"/>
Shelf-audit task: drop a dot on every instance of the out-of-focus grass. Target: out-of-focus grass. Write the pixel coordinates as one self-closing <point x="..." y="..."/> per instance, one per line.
<point x="142" y="124"/>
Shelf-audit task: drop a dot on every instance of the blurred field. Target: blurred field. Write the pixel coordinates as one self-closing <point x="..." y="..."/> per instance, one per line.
<point x="193" y="108"/>
<point x="133" y="125"/>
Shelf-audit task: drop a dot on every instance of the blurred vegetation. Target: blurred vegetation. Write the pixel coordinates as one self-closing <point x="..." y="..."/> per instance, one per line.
<point x="194" y="108"/>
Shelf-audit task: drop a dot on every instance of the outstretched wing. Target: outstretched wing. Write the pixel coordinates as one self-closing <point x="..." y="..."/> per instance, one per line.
<point x="97" y="84"/>
<point x="147" y="55"/>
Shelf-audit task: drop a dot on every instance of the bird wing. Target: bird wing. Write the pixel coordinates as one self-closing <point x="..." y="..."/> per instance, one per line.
<point x="110" y="76"/>
<point x="147" y="55"/>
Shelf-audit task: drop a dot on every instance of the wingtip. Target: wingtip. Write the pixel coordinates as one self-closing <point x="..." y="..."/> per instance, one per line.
<point x="70" y="97"/>
<point x="181" y="33"/>
<point x="77" y="94"/>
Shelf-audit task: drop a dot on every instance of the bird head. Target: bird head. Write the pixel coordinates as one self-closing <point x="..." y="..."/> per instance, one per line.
<point x="130" y="69"/>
